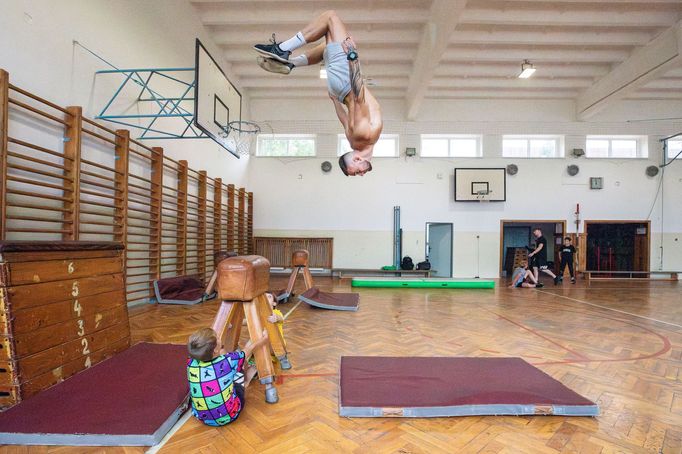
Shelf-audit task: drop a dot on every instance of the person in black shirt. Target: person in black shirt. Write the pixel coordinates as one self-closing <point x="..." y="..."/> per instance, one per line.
<point x="567" y="253"/>
<point x="538" y="256"/>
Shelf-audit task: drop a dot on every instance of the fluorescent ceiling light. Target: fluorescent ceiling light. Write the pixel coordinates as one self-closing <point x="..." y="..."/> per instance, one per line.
<point x="527" y="70"/>
<point x="323" y="73"/>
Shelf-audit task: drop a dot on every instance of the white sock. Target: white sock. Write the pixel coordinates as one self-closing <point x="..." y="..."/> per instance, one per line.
<point x="301" y="60"/>
<point x="293" y="43"/>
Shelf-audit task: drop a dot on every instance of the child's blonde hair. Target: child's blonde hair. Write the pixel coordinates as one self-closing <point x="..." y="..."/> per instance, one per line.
<point x="202" y="344"/>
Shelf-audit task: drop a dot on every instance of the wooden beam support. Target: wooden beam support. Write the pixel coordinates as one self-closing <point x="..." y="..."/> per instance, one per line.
<point x="249" y="226"/>
<point x="4" y="134"/>
<point x="181" y="240"/>
<point x="122" y="152"/>
<point x="444" y="17"/>
<point x="155" y="215"/>
<point x="201" y="227"/>
<point x="72" y="163"/>
<point x="644" y="65"/>
<point x="217" y="214"/>
<point x="231" y="243"/>
<point x="241" y="226"/>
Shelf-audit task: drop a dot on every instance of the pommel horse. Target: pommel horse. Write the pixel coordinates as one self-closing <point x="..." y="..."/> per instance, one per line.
<point x="299" y="263"/>
<point x="242" y="283"/>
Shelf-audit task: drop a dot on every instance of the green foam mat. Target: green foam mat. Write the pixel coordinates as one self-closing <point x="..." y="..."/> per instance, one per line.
<point x="421" y="283"/>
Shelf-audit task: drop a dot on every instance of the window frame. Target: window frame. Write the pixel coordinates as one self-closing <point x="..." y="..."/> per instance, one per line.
<point x="396" y="151"/>
<point x="641" y="150"/>
<point x="560" y="152"/>
<point x="450" y="138"/>
<point x="287" y="137"/>
<point x="670" y="155"/>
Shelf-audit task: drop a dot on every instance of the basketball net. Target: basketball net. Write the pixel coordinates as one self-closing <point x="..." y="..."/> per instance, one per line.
<point x="241" y="135"/>
<point x="483" y="196"/>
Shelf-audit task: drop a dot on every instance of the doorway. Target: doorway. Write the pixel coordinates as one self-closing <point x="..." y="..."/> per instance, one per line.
<point x="617" y="245"/>
<point x="439" y="248"/>
<point x="517" y="235"/>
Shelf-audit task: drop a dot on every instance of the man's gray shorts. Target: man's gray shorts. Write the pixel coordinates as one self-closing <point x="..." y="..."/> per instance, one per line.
<point x="338" y="72"/>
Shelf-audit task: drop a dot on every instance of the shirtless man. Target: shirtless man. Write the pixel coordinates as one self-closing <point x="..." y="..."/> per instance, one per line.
<point x="356" y="107"/>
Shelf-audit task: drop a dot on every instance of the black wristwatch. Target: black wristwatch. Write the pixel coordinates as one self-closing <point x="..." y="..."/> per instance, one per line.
<point x="352" y="55"/>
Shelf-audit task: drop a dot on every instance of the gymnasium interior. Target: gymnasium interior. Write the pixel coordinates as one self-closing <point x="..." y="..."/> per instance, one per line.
<point x="156" y="179"/>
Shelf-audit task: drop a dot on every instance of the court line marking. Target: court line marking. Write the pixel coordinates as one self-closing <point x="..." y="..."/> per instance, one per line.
<point x="611" y="309"/>
<point x="542" y="336"/>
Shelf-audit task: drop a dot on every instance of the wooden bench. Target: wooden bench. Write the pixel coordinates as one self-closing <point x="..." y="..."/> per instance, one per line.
<point x="630" y="275"/>
<point x="346" y="273"/>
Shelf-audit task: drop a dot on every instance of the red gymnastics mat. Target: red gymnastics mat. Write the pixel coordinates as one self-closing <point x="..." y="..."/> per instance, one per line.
<point x="132" y="399"/>
<point x="332" y="301"/>
<point x="419" y="387"/>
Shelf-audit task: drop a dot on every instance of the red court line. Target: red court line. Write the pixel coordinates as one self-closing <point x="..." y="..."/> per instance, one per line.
<point x="280" y="378"/>
<point x="532" y="331"/>
<point x="663" y="350"/>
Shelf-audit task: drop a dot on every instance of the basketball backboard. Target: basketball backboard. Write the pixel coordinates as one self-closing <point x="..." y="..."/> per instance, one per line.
<point x="480" y="185"/>
<point x="216" y="102"/>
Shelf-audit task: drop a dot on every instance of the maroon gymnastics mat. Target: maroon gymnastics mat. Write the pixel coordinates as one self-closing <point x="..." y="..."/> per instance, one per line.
<point x="376" y="386"/>
<point x="132" y="399"/>
<point x="332" y="301"/>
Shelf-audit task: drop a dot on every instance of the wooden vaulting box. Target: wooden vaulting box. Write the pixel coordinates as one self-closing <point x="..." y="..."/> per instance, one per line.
<point x="62" y="309"/>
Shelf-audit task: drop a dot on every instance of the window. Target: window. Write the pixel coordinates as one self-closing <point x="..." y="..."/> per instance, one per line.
<point x="278" y="145"/>
<point x="619" y="147"/>
<point x="450" y="146"/>
<point x="386" y="146"/>
<point x="674" y="147"/>
<point x="533" y="146"/>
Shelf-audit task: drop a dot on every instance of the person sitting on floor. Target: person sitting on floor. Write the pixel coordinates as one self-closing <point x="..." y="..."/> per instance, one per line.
<point x="216" y="378"/>
<point x="523" y="277"/>
<point x="277" y="317"/>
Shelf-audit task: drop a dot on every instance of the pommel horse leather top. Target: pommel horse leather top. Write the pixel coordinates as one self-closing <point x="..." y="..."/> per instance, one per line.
<point x="314" y="296"/>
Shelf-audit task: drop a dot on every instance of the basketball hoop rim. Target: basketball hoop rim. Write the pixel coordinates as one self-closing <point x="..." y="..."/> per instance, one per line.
<point x="244" y="127"/>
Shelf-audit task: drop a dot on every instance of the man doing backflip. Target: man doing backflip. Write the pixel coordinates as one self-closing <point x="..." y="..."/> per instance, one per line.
<point x="356" y="107"/>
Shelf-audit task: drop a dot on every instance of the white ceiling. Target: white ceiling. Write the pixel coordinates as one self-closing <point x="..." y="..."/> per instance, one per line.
<point x="593" y="51"/>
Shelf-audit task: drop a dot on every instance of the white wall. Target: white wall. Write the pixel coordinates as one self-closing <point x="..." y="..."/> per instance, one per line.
<point x="37" y="50"/>
<point x="294" y="197"/>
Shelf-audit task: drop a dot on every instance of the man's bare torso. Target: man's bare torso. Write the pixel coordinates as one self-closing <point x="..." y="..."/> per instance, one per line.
<point x="364" y="120"/>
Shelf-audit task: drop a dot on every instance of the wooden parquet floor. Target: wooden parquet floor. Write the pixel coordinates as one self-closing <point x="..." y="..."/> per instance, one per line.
<point x="619" y="344"/>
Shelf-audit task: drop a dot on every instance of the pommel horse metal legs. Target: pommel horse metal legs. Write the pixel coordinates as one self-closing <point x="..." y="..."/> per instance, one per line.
<point x="242" y="283"/>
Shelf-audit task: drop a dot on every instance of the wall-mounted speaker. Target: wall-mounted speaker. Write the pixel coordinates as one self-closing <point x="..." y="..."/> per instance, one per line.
<point x="578" y="152"/>
<point x="572" y="170"/>
<point x="512" y="169"/>
<point x="326" y="166"/>
<point x="652" y="171"/>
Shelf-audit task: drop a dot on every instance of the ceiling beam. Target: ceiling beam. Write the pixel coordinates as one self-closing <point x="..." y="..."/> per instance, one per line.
<point x="646" y="64"/>
<point x="512" y="69"/>
<point x="504" y="82"/>
<point x="549" y="36"/>
<point x="254" y="14"/>
<point x="500" y="93"/>
<point x="472" y="54"/>
<point x="575" y="17"/>
<point x="444" y="17"/>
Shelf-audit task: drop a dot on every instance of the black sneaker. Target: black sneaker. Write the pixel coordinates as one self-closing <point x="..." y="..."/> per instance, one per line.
<point x="572" y="280"/>
<point x="556" y="280"/>
<point x="273" y="51"/>
<point x="274" y="66"/>
<point x="539" y="285"/>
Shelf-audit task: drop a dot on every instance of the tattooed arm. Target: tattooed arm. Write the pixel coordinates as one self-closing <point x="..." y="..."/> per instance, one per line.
<point x="356" y="81"/>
